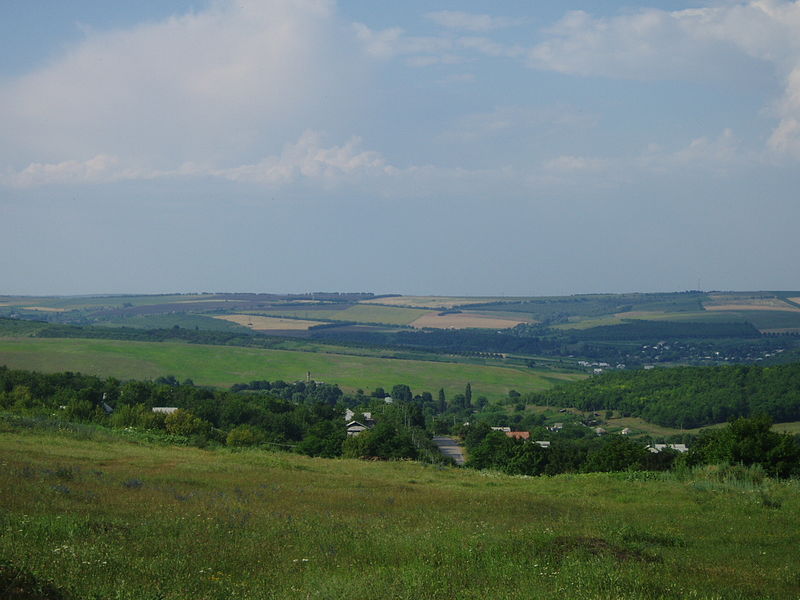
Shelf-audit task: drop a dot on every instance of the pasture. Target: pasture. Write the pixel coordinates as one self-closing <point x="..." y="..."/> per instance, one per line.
<point x="91" y="516"/>
<point x="223" y="366"/>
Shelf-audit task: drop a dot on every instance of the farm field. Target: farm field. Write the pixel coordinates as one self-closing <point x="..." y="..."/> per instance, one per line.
<point x="167" y="321"/>
<point x="358" y="313"/>
<point x="225" y="365"/>
<point x="259" y="323"/>
<point x="440" y="302"/>
<point x="103" y="518"/>
<point x="81" y="302"/>
<point x="619" y="318"/>
<point x="464" y="320"/>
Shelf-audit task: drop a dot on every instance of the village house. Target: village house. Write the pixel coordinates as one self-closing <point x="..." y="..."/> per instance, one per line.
<point x="655" y="448"/>
<point x="354" y="428"/>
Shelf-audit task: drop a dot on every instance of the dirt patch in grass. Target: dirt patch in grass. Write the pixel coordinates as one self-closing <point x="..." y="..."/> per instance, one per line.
<point x="464" y="321"/>
<point x="16" y="584"/>
<point x="560" y="547"/>
<point x="258" y="323"/>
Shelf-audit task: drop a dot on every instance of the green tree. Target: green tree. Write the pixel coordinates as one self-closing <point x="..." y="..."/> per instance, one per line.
<point x="401" y="393"/>
<point x="618" y="453"/>
<point x="441" y="404"/>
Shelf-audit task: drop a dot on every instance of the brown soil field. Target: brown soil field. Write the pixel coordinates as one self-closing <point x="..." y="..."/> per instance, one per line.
<point x="44" y="308"/>
<point x="795" y="300"/>
<point x="258" y="323"/>
<point x="464" y="321"/>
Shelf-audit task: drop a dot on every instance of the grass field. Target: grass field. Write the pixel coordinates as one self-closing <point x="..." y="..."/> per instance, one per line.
<point x="98" y="518"/>
<point x="226" y="365"/>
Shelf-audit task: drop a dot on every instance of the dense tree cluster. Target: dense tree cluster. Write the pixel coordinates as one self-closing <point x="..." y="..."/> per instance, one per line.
<point x="743" y="441"/>
<point x="687" y="396"/>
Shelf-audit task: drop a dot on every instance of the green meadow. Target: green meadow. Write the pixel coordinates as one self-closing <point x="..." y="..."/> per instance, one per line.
<point x="225" y="365"/>
<point x="87" y="516"/>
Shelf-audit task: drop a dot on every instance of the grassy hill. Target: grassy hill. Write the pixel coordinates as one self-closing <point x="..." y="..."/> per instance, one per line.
<point x="92" y="516"/>
<point x="226" y="365"/>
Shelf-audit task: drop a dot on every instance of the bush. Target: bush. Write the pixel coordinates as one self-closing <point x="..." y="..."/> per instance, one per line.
<point x="182" y="422"/>
<point x="244" y="435"/>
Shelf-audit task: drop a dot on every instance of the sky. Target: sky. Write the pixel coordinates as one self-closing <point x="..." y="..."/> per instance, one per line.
<point x="447" y="148"/>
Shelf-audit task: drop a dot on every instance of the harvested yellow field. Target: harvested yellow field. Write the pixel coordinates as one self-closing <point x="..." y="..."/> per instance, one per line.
<point x="745" y="302"/>
<point x="44" y="308"/>
<point x="769" y="304"/>
<point x="257" y="323"/>
<point x="429" y="301"/>
<point x="795" y="300"/>
<point x="465" y="321"/>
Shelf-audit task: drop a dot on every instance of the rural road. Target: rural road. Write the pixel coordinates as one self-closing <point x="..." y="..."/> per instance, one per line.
<point x="449" y="447"/>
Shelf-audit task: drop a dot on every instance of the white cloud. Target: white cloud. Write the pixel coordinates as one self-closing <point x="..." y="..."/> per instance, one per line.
<point x="575" y="163"/>
<point x="423" y="51"/>
<point x="231" y="80"/>
<point x="392" y="42"/>
<point x="724" y="41"/>
<point x="307" y="159"/>
<point x="98" y="169"/>
<point x="452" y="19"/>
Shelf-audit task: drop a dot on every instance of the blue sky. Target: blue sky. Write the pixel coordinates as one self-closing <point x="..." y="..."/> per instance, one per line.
<point x="416" y="147"/>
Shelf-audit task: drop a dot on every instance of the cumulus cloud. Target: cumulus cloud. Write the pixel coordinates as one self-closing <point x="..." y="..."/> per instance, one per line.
<point x="230" y="80"/>
<point x="308" y="159"/>
<point x="98" y="169"/>
<point x="719" y="41"/>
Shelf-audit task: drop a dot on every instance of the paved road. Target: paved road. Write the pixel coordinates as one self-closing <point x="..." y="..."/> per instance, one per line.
<point x="449" y="447"/>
